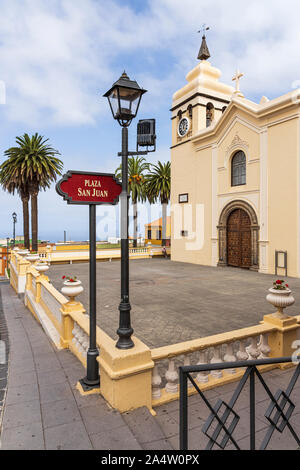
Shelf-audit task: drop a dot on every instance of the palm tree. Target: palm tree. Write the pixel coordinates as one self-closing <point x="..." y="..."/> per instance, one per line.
<point x="136" y="178"/>
<point x="11" y="182"/>
<point x="158" y="186"/>
<point x="35" y="167"/>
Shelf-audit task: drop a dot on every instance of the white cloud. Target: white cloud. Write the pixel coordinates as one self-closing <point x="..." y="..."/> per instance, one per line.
<point x="57" y="55"/>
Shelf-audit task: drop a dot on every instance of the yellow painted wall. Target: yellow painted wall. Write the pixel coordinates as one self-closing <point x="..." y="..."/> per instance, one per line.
<point x="196" y="182"/>
<point x="70" y="247"/>
<point x="283" y="173"/>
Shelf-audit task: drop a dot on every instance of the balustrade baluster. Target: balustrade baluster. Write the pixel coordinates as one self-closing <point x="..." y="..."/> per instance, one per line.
<point x="156" y="382"/>
<point x="202" y="376"/>
<point x="172" y="377"/>
<point x="252" y="349"/>
<point x="217" y="374"/>
<point x="264" y="347"/>
<point x="187" y="362"/>
<point x="241" y="354"/>
<point x="230" y="357"/>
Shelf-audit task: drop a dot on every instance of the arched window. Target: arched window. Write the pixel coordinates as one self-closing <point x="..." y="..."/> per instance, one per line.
<point x="210" y="114"/>
<point x="238" y="169"/>
<point x="190" y="110"/>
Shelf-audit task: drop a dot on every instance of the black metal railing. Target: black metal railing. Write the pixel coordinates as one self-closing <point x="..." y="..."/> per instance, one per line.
<point x="222" y="421"/>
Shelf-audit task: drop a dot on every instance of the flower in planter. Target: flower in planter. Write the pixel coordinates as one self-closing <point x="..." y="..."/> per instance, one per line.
<point x="70" y="279"/>
<point x="280" y="285"/>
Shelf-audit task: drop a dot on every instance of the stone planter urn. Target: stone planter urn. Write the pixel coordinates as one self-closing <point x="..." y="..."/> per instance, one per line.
<point x="32" y="258"/>
<point x="72" y="289"/>
<point x="280" y="298"/>
<point x="23" y="253"/>
<point x="41" y="267"/>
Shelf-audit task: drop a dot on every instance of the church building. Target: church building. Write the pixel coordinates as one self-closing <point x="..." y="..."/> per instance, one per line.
<point x="235" y="179"/>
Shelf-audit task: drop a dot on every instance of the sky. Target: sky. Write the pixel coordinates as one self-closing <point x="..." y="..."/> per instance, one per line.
<point x="58" y="57"/>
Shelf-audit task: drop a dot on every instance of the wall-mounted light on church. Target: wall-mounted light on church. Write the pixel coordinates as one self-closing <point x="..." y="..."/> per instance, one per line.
<point x="124" y="98"/>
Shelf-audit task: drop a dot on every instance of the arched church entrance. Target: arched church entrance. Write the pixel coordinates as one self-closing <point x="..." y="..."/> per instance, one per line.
<point x="238" y="236"/>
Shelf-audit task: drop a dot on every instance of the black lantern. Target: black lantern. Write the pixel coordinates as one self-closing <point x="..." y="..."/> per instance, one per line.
<point x="124" y="99"/>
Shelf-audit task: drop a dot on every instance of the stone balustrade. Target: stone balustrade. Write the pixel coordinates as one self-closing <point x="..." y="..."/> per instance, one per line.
<point x="242" y="345"/>
<point x="80" y="341"/>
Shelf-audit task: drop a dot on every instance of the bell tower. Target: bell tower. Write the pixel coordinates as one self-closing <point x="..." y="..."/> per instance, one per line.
<point x="201" y="102"/>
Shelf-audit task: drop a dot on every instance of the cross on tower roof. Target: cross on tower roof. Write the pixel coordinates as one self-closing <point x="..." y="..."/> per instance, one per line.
<point x="203" y="52"/>
<point x="238" y="75"/>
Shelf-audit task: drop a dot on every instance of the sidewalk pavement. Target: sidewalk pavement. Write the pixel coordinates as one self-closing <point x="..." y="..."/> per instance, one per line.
<point x="44" y="410"/>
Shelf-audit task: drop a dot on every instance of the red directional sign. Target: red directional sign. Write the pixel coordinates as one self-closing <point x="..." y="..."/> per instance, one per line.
<point x="78" y="187"/>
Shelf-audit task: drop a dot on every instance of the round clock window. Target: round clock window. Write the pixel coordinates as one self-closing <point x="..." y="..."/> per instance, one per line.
<point x="183" y="126"/>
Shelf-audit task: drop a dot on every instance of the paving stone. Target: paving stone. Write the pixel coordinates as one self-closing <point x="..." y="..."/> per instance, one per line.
<point x="88" y="400"/>
<point x="74" y="374"/>
<point x="42" y="348"/>
<point x="51" y="377"/>
<point x="59" y="412"/>
<point x="22" y="394"/>
<point x="47" y="362"/>
<point x="72" y="436"/>
<point x="24" y="366"/>
<point x="67" y="359"/>
<point x="17" y="379"/>
<point x="168" y="424"/>
<point x="55" y="392"/>
<point x="28" y="437"/>
<point x="21" y="414"/>
<point x="161" y="444"/>
<point x="143" y="425"/>
<point x="116" y="439"/>
<point x="100" y="418"/>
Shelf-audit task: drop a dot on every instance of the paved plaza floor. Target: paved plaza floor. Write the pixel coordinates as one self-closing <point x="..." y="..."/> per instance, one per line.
<point x="173" y="302"/>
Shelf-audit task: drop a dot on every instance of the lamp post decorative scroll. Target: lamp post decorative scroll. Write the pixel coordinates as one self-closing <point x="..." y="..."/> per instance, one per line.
<point x="124" y="98"/>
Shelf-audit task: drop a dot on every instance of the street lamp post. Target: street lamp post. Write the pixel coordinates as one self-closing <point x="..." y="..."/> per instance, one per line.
<point x="14" y="216"/>
<point x="124" y="99"/>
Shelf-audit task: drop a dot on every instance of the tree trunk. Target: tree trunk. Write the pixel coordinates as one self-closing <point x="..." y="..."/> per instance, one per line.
<point x="25" y="201"/>
<point x="134" y="224"/>
<point x="34" y="220"/>
<point x="164" y="223"/>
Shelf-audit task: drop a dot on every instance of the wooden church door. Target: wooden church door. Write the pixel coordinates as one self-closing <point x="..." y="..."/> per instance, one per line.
<point x="239" y="239"/>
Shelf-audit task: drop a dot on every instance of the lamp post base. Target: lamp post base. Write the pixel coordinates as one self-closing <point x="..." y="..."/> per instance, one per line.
<point x="88" y="385"/>
<point x="124" y="342"/>
<point x="125" y="331"/>
<point x="92" y="378"/>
